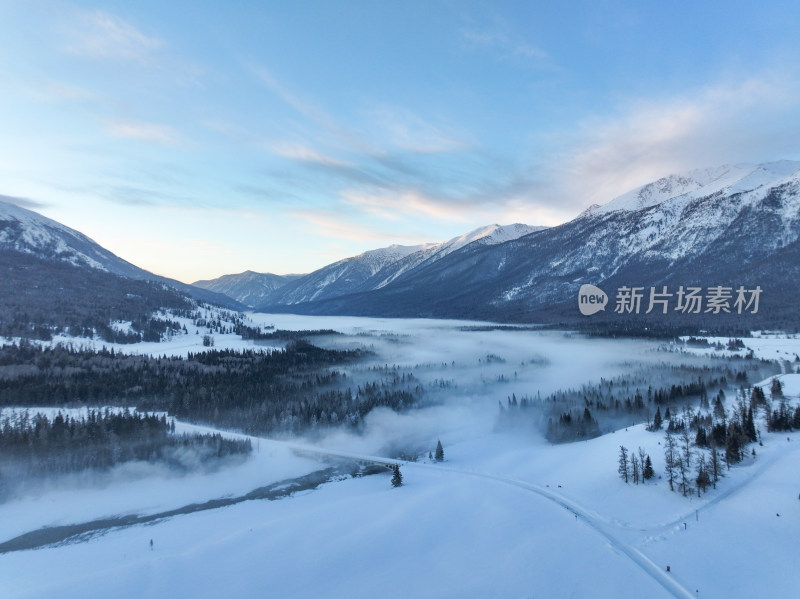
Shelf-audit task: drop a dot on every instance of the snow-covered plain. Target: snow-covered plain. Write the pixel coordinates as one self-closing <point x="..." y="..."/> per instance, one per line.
<point x="177" y="345"/>
<point x="506" y="514"/>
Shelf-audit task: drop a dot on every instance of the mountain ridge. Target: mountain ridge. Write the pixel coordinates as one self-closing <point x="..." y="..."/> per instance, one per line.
<point x="28" y="232"/>
<point x="734" y="222"/>
<point x="374" y="269"/>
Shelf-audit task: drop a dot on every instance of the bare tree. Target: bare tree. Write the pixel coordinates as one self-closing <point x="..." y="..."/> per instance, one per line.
<point x="624" y="467"/>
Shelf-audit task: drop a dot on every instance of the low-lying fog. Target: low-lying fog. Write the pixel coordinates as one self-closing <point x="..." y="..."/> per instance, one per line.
<point x="467" y="367"/>
<point x="462" y="371"/>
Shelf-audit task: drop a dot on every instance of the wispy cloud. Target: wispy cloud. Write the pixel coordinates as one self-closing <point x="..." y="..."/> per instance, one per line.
<point x="147" y="132"/>
<point x="335" y="225"/>
<point x="393" y="204"/>
<point x="744" y="121"/>
<point x="54" y="91"/>
<point x="407" y="131"/>
<point x="23" y="202"/>
<point x="503" y="44"/>
<point x="316" y="116"/>
<point x="101" y="35"/>
<point x="303" y="153"/>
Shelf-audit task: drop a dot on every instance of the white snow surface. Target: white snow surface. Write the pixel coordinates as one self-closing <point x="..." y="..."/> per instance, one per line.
<point x="39" y="232"/>
<point x="488" y="235"/>
<point x="178" y="345"/>
<point x="702" y="183"/>
<point x="505" y="515"/>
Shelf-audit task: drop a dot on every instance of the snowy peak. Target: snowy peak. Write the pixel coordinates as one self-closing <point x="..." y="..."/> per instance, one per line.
<point x="486" y="236"/>
<point x="249" y="288"/>
<point x="489" y="235"/>
<point x="374" y="269"/>
<point x="700" y="183"/>
<point x="729" y="225"/>
<point x="25" y="231"/>
<point x="377" y="259"/>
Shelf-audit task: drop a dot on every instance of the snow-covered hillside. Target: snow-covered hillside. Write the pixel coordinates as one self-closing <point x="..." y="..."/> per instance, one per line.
<point x="700" y="183"/>
<point x="376" y="268"/>
<point x="249" y="288"/>
<point x="488" y="235"/>
<point x="26" y="231"/>
<point x="727" y="226"/>
<point x="499" y="518"/>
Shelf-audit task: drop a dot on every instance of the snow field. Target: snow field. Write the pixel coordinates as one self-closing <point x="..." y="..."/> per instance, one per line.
<point x="141" y="488"/>
<point x="437" y="536"/>
<point x="490" y="521"/>
<point x="447" y="533"/>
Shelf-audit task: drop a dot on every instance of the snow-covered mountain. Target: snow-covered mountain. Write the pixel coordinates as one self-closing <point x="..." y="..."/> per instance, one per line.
<point x="249" y="288"/>
<point x="377" y="268"/>
<point x="340" y="278"/>
<point x="488" y="235"/>
<point x="700" y="183"/>
<point x="727" y="226"/>
<point x="28" y="233"/>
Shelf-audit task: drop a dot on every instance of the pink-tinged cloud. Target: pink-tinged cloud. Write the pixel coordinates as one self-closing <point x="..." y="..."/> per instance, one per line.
<point x="724" y="123"/>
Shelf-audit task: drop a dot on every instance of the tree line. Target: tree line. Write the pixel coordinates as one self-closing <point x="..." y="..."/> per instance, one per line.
<point x="32" y="446"/>
<point x="585" y="412"/>
<point x="701" y="444"/>
<point x="283" y="391"/>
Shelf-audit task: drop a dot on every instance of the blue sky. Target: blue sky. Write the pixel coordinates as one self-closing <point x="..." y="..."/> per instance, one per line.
<point x="200" y="138"/>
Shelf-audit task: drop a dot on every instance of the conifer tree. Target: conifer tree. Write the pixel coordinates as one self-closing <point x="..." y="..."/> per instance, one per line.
<point x="648" y="471"/>
<point x="733" y="445"/>
<point x="397" y="477"/>
<point x="750" y="427"/>
<point x="702" y="480"/>
<point x="657" y="420"/>
<point x="719" y="409"/>
<point x="686" y="447"/>
<point x="701" y="439"/>
<point x="757" y="398"/>
<point x="439" y="455"/>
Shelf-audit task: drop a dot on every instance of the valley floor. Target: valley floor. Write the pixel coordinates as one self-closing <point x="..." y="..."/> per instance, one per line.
<point x="505" y="515"/>
<point x="501" y="517"/>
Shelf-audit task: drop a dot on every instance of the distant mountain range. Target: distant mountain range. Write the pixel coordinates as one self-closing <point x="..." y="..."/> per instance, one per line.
<point x="249" y="288"/>
<point x="728" y="226"/>
<point x="371" y="270"/>
<point x="725" y="227"/>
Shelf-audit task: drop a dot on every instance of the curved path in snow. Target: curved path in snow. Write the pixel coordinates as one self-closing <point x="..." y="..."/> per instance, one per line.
<point x="592" y="519"/>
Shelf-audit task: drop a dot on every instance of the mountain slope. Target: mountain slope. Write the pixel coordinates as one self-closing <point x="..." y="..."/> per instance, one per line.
<point x="249" y="288"/>
<point x="377" y="268"/>
<point x="729" y="226"/>
<point x="27" y="232"/>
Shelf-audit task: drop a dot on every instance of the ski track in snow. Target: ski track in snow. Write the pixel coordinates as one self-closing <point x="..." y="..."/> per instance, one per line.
<point x="766" y="463"/>
<point x="595" y="521"/>
<point x="613" y="531"/>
